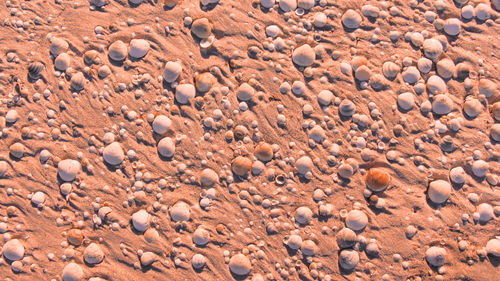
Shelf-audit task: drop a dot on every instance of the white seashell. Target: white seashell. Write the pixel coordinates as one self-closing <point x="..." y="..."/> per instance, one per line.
<point x="468" y="12"/>
<point x="436" y="85"/>
<point x="411" y="75"/>
<point x="113" y="154"/>
<point x="356" y="220"/>
<point x="390" y="69"/>
<point x="103" y="71"/>
<point x="309" y="248"/>
<point x="325" y="97"/>
<point x="495" y="132"/>
<point x="207" y="42"/>
<point x="68" y="169"/>
<point x="303" y="55"/>
<point x="351" y="19"/>
<point x="432" y="48"/>
<point x="485" y="212"/>
<point x="445" y="68"/>
<point x="320" y="19"/>
<point x="138" y="48"/>
<point x="303" y="215"/>
<point x="452" y="26"/>
<point x="347" y="108"/>
<point x="435" y="256"/>
<point x="57" y="46"/>
<point x="417" y="39"/>
<point x="239" y="264"/>
<point x="201" y="236"/>
<point x="317" y="134"/>
<point x="458" y="175"/>
<point x="424" y="65"/>
<point x="348" y="259"/>
<point x="493" y="245"/>
<point x="204" y="81"/>
<point x="362" y="73"/>
<point x="12" y="116"/>
<point x="72" y="272"/>
<point x="304" y="165"/>
<point x="172" y="71"/>
<point x="141" y="220"/>
<point x="482" y="11"/>
<point x="442" y="104"/>
<point x="38" y="198"/>
<point x="117" y="51"/>
<point x="370" y="11"/>
<point x="78" y="81"/>
<point x="439" y="191"/>
<point x="288" y="5"/>
<point x="13" y="250"/>
<point x="91" y="57"/>
<point x="406" y="101"/>
<point x="184" y="93"/>
<point x="62" y="61"/>
<point x="147" y="258"/>
<point x="272" y="31"/>
<point x="346" y="238"/>
<point x="166" y="147"/>
<point x="93" y="254"/>
<point x="180" y="211"/>
<point x="3" y="167"/>
<point x="245" y="92"/>
<point x="17" y="150"/>
<point x="487" y="88"/>
<point x="162" y="124"/>
<point x="267" y="3"/>
<point x="294" y="242"/>
<point x="208" y="177"/>
<point x="480" y="168"/>
<point x="198" y="261"/>
<point x="472" y="107"/>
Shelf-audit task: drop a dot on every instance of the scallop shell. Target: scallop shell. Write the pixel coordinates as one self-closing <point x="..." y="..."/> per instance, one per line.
<point x="390" y="70"/>
<point x="436" y="85"/>
<point x="62" y="61"/>
<point x="377" y="179"/>
<point x="432" y="48"/>
<point x="78" y="81"/>
<point x="117" y="51"/>
<point x="58" y="45"/>
<point x="35" y="69"/>
<point x="241" y="165"/>
<point x="104" y="71"/>
<point x="198" y="261"/>
<point x="202" y="28"/>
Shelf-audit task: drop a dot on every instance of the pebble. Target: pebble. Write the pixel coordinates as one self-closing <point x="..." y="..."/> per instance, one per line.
<point x="138" y="48"/>
<point x="288" y="5"/>
<point x="458" y="175"/>
<point x="304" y="165"/>
<point x="62" y="61"/>
<point x="93" y="254"/>
<point x="198" y="261"/>
<point x="351" y="19"/>
<point x="202" y="28"/>
<point x="356" y="220"/>
<point x="346" y="238"/>
<point x="435" y="256"/>
<point x="485" y="212"/>
<point x="180" y="211"/>
<point x="172" y="71"/>
<point x="113" y="154"/>
<point x="241" y="165"/>
<point x="303" y="55"/>
<point x="166" y="147"/>
<point x="239" y="264"/>
<point x="493" y="247"/>
<point x="72" y="272"/>
<point x="406" y="101"/>
<point x="68" y="169"/>
<point x="442" y="104"/>
<point x="452" y="26"/>
<point x="184" y="93"/>
<point x="141" y="220"/>
<point x="117" y="51"/>
<point x="325" y="97"/>
<point x="348" y="259"/>
<point x="439" y="191"/>
<point x="208" y="177"/>
<point x="13" y="250"/>
<point x="432" y="48"/>
<point x="480" y="168"/>
<point x="57" y="46"/>
<point x="245" y="92"/>
<point x="377" y="179"/>
<point x="303" y="215"/>
<point x="201" y="236"/>
<point x="162" y="124"/>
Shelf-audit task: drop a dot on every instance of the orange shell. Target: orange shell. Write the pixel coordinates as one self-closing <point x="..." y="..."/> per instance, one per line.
<point x="241" y="165"/>
<point x="377" y="179"/>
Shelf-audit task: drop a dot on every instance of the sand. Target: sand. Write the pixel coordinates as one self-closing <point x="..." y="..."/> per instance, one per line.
<point x="231" y="140"/>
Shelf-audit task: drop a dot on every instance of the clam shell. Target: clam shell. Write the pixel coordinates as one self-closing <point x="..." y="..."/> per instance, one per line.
<point x="351" y="19"/>
<point x="118" y="50"/>
<point x="390" y="70"/>
<point x="202" y="28"/>
<point x="78" y="81"/>
<point x="58" y="45"/>
<point x="35" y="69"/>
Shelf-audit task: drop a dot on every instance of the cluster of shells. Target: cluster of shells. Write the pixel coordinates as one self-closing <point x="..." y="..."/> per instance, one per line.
<point x="288" y="174"/>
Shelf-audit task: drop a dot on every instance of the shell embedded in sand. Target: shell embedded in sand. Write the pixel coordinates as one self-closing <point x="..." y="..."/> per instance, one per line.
<point x="75" y="236"/>
<point x="13" y="250"/>
<point x="472" y="107"/>
<point x="78" y="81"/>
<point x="72" y="272"/>
<point x="141" y="220"/>
<point x="58" y="45"/>
<point x="62" y="61"/>
<point x="294" y="242"/>
<point x="166" y="147"/>
<point x="113" y="154"/>
<point x="180" y="211"/>
<point x="303" y="55"/>
<point x="264" y="152"/>
<point x="346" y="238"/>
<point x="495" y="131"/>
<point x="432" y="48"/>
<point x="68" y="169"/>
<point x="202" y="28"/>
<point x="205" y="81"/>
<point x="35" y="69"/>
<point x="198" y="261"/>
<point x="390" y="69"/>
<point x="487" y="88"/>
<point x="241" y="165"/>
<point x="118" y="50"/>
<point x="208" y="177"/>
<point x="377" y="179"/>
<point x="93" y="254"/>
<point x="304" y="165"/>
<point x="17" y="150"/>
<point x="172" y="71"/>
<point x="184" y="93"/>
<point x="288" y="5"/>
<point x="162" y="124"/>
<point x="245" y="92"/>
<point x="303" y="215"/>
<point x="351" y="19"/>
<point x="445" y="68"/>
<point x="356" y="220"/>
<point x="442" y="104"/>
<point x="239" y="264"/>
<point x="138" y="48"/>
<point x="91" y="57"/>
<point x="348" y="259"/>
<point x="435" y="256"/>
<point x="201" y="236"/>
<point x="436" y="85"/>
<point x="325" y="97"/>
<point x="493" y="245"/>
<point x="439" y="191"/>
